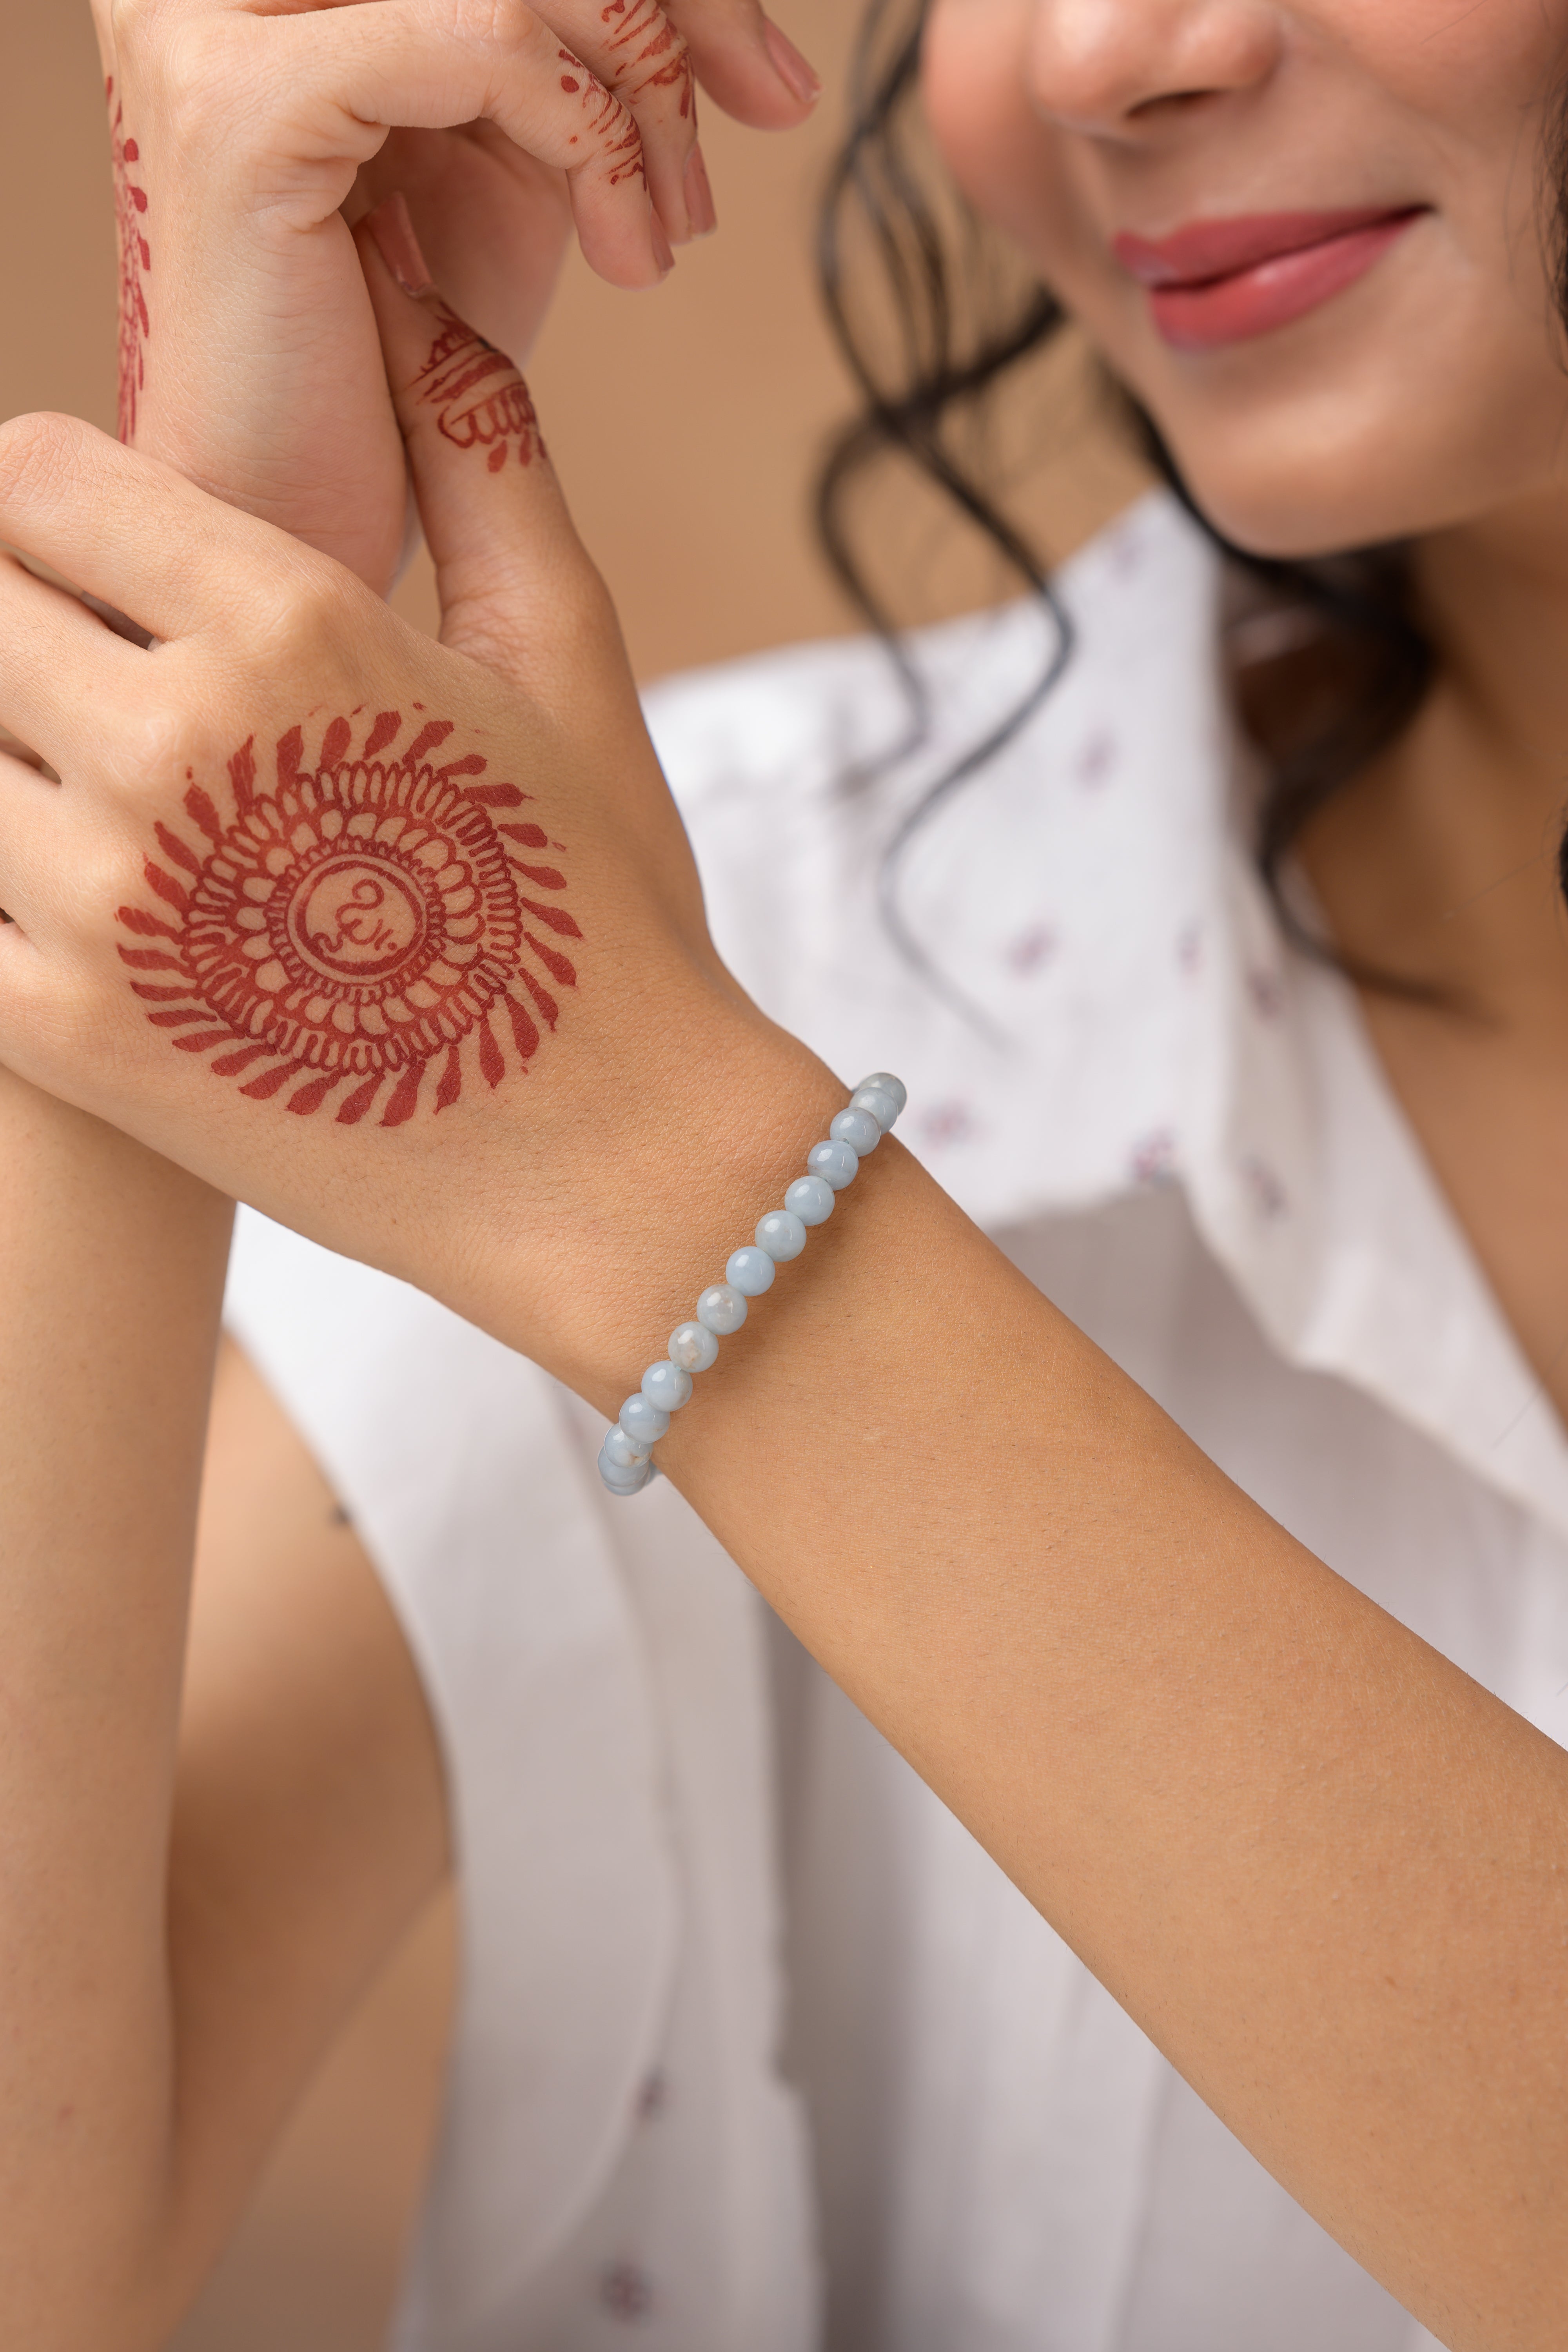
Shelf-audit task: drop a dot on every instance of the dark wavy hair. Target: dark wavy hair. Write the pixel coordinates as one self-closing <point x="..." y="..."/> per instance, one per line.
<point x="1329" y="661"/>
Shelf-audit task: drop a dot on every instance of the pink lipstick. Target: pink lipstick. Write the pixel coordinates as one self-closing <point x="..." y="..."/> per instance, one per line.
<point x="1223" y="282"/>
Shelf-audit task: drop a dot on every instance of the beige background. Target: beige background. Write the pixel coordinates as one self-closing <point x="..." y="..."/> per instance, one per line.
<point x="709" y="556"/>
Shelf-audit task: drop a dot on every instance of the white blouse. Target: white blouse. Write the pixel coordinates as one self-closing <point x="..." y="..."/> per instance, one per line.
<point x="756" y="2049"/>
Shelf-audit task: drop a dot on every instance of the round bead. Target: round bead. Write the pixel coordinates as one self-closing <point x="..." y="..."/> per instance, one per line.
<point x="722" y="1310"/>
<point x="810" y="1200"/>
<point x="781" y="1235"/>
<point x="694" y="1348"/>
<point x="624" y="1481"/>
<point x="643" y="1420"/>
<point x="749" y="1271"/>
<point x="624" y="1452"/>
<point x="882" y="1107"/>
<point x="667" y="1386"/>
<point x="858" y="1129"/>
<point x="835" y="1163"/>
<point x="885" y="1083"/>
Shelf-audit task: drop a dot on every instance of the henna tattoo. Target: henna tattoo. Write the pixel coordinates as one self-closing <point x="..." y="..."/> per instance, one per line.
<point x="364" y="919"/>
<point x="605" y="110"/>
<point x="135" y="262"/>
<point x="644" y="37"/>
<point x="481" y="399"/>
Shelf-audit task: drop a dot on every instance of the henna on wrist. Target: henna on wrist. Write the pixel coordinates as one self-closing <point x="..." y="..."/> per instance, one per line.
<point x="360" y="922"/>
<point x="135" y="263"/>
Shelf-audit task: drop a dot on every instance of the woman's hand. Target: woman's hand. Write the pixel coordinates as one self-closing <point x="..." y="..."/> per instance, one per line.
<point x="243" y="133"/>
<point x="401" y="941"/>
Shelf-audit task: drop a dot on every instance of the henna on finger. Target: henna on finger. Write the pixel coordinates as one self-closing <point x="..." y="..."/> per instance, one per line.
<point x="355" y="925"/>
<point x="606" y="115"/>
<point x="650" y="53"/>
<point x="481" y="399"/>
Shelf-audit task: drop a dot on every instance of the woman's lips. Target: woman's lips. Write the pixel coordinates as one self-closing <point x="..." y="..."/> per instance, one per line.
<point x="1218" y="282"/>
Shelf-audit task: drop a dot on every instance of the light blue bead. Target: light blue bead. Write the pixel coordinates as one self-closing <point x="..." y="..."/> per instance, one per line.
<point x="885" y="1083"/>
<point x="722" y="1310"/>
<point x="749" y="1271"/>
<point x="625" y="1452"/>
<point x="810" y="1200"/>
<point x="694" y="1348"/>
<point x="858" y="1129"/>
<point x="667" y="1386"/>
<point x="642" y="1419"/>
<point x="624" y="1482"/>
<point x="835" y="1163"/>
<point x="882" y="1107"/>
<point x="781" y="1233"/>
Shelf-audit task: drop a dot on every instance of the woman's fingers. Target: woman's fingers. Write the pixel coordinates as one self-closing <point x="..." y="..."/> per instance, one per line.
<point x="33" y="870"/>
<point x="130" y="532"/>
<point x="635" y="51"/>
<point x="518" y="591"/>
<point x="507" y="556"/>
<point x="60" y="668"/>
<point x="745" y="64"/>
<point x="347" y="73"/>
<point x="493" y="220"/>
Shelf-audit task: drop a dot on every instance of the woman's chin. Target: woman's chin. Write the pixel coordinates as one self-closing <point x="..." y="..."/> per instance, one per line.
<point x="1297" y="527"/>
<point x="1313" y="484"/>
<point x="1289" y="514"/>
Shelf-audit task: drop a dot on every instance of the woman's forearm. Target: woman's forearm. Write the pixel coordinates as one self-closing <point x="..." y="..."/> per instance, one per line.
<point x="1324" y="1870"/>
<point x="112" y="1266"/>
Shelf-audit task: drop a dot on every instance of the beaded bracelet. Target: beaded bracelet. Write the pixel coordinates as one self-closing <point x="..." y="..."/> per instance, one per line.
<point x="625" y="1460"/>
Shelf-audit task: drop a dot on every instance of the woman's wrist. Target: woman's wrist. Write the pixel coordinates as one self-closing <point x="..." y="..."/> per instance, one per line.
<point x="672" y="1171"/>
<point x="779" y="1237"/>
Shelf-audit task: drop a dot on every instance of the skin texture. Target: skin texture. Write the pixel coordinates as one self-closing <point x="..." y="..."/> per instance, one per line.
<point x="1323" y="1869"/>
<point x="250" y="341"/>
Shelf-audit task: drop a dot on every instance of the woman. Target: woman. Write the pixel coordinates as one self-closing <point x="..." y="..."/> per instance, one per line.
<point x="1317" y="1862"/>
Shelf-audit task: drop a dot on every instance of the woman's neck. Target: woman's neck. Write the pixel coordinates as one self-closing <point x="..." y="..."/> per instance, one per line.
<point x="1441" y="864"/>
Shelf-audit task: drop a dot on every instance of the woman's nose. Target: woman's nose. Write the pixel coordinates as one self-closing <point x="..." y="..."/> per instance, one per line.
<point x="1115" y="69"/>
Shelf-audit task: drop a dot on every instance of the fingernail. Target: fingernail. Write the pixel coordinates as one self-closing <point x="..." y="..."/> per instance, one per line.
<point x="699" y="196"/>
<point x="663" y="251"/>
<point x="798" y="78"/>
<point x="393" y="232"/>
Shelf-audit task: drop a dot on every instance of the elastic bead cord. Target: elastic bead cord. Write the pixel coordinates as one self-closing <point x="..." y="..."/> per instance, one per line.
<point x="626" y="1459"/>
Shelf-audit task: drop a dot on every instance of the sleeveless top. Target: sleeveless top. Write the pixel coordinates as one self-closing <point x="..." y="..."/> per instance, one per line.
<point x="755" y="2048"/>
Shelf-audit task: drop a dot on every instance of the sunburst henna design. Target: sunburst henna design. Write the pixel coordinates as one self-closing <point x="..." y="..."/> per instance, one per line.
<point x="135" y="261"/>
<point x="482" y="402"/>
<point x="363" y="920"/>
